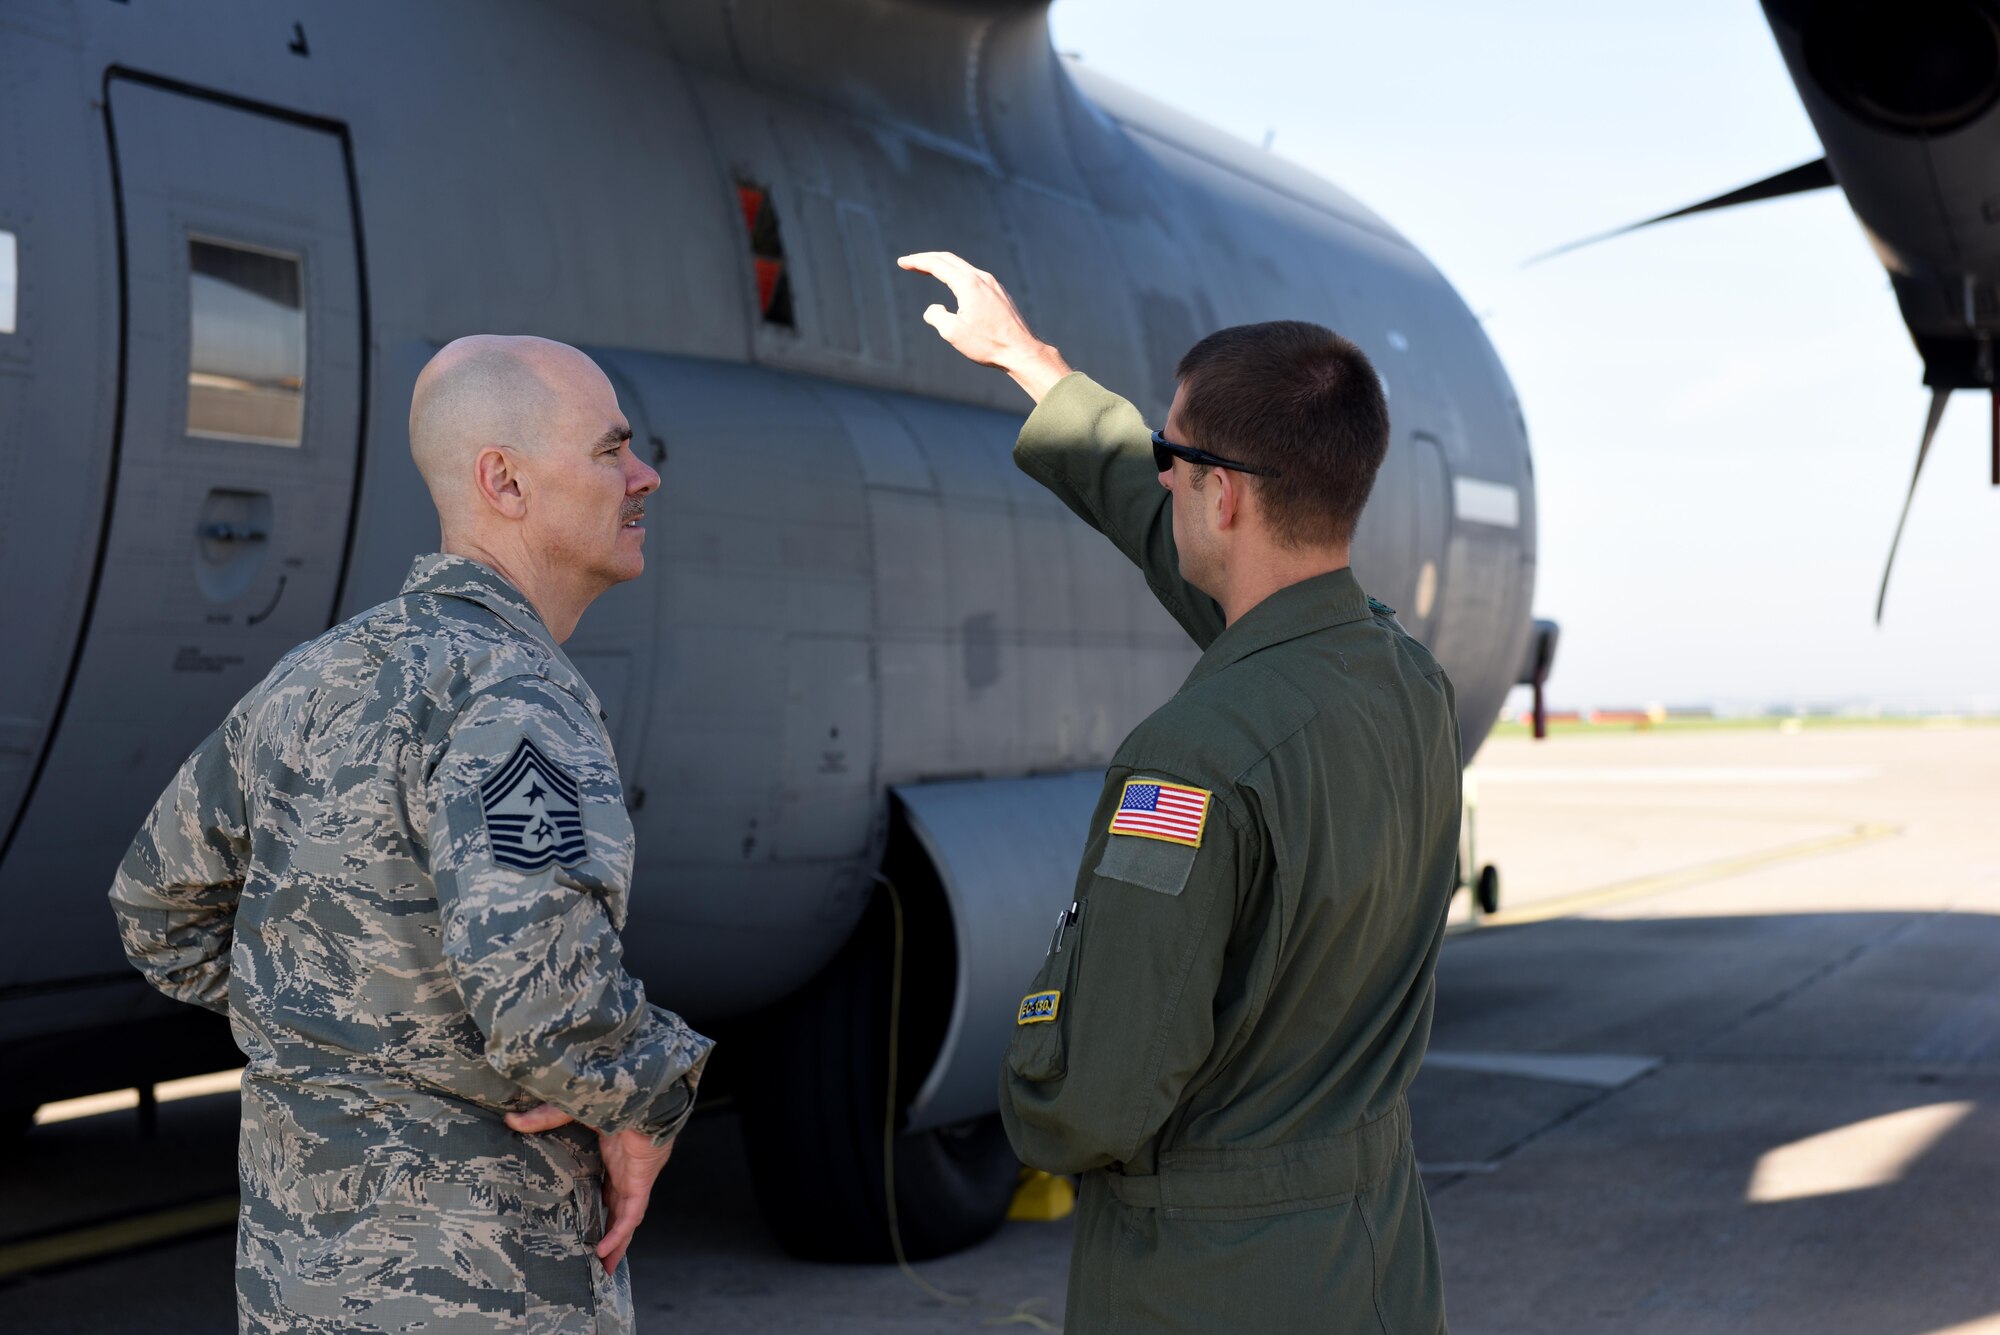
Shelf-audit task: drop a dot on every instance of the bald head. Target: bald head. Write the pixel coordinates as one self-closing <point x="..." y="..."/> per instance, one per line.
<point x="484" y="390"/>
<point x="529" y="459"/>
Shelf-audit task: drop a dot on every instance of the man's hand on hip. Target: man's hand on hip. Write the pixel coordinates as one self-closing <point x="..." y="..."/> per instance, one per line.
<point x="542" y="1117"/>
<point x="986" y="327"/>
<point x="632" y="1163"/>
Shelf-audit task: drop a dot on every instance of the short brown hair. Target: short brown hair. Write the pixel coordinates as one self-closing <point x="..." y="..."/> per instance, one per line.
<point x="1298" y="399"/>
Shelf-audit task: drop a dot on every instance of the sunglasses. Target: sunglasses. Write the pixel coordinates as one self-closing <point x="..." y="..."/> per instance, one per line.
<point x="1165" y="452"/>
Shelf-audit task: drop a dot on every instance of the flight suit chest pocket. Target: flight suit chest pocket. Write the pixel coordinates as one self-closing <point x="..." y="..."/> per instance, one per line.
<point x="1041" y="1027"/>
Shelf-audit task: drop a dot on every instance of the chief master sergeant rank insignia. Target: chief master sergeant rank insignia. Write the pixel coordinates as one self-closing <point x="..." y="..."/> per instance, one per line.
<point x="533" y="816"/>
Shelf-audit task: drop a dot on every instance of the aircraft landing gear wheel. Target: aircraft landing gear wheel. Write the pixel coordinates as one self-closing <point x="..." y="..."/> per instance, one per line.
<point x="813" y="1118"/>
<point x="1488" y="889"/>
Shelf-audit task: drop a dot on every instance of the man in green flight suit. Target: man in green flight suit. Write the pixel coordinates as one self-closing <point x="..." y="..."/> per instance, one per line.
<point x="1223" y="1032"/>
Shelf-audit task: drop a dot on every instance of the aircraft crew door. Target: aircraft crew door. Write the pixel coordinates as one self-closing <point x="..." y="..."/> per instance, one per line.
<point x="232" y="486"/>
<point x="1431" y="493"/>
<point x="1399" y="545"/>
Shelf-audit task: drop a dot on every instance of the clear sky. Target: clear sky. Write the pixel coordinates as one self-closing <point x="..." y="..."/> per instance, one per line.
<point x="1723" y="410"/>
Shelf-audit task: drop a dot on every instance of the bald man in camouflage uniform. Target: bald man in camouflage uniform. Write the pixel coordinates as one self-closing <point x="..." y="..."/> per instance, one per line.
<point x="400" y="867"/>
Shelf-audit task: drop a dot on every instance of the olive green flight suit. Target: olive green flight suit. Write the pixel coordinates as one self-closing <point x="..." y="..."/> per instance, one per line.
<point x="1221" y="1037"/>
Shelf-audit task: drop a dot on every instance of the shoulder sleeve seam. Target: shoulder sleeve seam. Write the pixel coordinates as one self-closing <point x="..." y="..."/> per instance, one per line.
<point x="1231" y="778"/>
<point x="528" y="673"/>
<point x="490" y="690"/>
<point x="1272" y="749"/>
<point x="1309" y="712"/>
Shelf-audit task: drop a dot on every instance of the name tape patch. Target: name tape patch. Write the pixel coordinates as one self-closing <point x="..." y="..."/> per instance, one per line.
<point x="1156" y="809"/>
<point x="1039" y="1007"/>
<point x="534" y="813"/>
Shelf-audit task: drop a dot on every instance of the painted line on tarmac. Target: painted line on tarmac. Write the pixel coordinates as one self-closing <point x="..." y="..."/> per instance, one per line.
<point x="1564" y="905"/>
<point x="123" y="1100"/>
<point x="1676" y="776"/>
<point x="118" y="1235"/>
<point x="1480" y="1166"/>
<point x="1593" y="1070"/>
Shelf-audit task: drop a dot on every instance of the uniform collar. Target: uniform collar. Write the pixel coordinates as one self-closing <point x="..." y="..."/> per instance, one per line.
<point x="450" y="576"/>
<point x="1332" y="599"/>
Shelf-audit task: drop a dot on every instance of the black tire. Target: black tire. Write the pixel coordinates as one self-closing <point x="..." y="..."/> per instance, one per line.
<point x="1488" y="889"/>
<point x="813" y="1113"/>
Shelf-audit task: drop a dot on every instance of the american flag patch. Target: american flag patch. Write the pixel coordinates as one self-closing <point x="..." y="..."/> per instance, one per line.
<point x="1153" y="809"/>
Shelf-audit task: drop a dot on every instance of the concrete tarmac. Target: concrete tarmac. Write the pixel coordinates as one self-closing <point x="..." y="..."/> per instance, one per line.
<point x="1728" y="1061"/>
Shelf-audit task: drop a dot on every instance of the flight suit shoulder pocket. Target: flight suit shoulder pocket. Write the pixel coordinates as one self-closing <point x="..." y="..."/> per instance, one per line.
<point x="1154" y="864"/>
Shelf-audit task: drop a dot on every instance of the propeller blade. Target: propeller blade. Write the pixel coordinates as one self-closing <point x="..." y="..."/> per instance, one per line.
<point x="1814" y="175"/>
<point x="1938" y="396"/>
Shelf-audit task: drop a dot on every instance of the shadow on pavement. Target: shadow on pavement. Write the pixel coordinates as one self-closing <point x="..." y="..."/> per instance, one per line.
<point x="1843" y="1069"/>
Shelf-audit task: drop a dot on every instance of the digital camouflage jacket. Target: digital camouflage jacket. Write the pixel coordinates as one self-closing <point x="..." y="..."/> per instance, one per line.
<point x="400" y="867"/>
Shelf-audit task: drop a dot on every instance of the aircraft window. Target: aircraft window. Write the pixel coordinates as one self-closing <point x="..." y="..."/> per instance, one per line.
<point x="767" y="254"/>
<point x="8" y="276"/>
<point x="246" y="344"/>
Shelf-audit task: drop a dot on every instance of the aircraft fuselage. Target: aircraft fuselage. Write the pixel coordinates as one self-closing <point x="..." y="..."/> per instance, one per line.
<point x="239" y="233"/>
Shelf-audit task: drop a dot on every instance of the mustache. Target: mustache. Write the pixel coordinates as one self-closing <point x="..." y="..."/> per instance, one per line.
<point x="632" y="512"/>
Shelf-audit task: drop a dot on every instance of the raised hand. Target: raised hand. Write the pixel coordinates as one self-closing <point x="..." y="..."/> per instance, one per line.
<point x="986" y="327"/>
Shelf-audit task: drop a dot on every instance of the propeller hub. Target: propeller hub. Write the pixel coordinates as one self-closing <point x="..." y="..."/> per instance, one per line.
<point x="1908" y="66"/>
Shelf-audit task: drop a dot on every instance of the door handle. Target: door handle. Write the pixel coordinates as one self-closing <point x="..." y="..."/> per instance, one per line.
<point x="221" y="532"/>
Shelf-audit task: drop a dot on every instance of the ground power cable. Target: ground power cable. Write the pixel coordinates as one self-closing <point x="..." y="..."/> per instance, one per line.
<point x="1018" y="1315"/>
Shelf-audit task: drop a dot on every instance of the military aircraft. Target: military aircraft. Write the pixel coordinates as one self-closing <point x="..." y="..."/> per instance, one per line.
<point x="868" y="654"/>
<point x="1903" y="95"/>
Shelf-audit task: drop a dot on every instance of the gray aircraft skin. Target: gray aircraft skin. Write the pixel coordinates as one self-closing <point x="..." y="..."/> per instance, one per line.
<point x="233" y="232"/>
<point x="1905" y="97"/>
